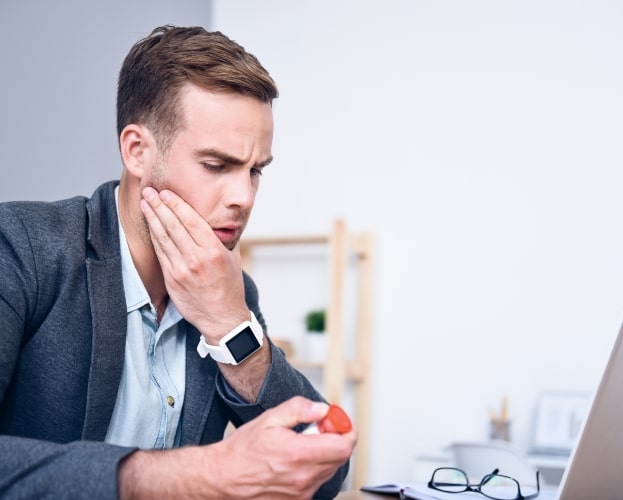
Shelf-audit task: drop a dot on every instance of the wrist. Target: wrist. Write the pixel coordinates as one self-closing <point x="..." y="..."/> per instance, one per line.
<point x="130" y="476"/>
<point x="235" y="346"/>
<point x="212" y="332"/>
<point x="178" y="473"/>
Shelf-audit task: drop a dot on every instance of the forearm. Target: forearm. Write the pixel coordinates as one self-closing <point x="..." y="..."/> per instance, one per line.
<point x="248" y="378"/>
<point x="280" y="383"/>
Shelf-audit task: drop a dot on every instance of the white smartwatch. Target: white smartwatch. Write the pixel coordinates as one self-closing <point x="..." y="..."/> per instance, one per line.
<point x="237" y="345"/>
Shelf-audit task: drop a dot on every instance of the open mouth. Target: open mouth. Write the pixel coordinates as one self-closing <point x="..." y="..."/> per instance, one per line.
<point x="228" y="236"/>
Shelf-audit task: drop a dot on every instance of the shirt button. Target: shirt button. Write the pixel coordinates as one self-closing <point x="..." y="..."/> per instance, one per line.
<point x="171" y="401"/>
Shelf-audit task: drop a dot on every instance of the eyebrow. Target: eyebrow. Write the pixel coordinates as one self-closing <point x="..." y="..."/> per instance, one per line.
<point x="227" y="158"/>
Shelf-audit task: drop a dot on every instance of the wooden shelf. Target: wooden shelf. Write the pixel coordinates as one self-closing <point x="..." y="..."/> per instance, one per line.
<point x="338" y="370"/>
<point x="353" y="371"/>
<point x="303" y="364"/>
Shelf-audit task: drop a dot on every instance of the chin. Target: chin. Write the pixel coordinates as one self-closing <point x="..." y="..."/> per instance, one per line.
<point x="231" y="244"/>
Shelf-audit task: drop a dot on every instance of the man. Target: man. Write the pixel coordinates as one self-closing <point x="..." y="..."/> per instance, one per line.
<point x="115" y="378"/>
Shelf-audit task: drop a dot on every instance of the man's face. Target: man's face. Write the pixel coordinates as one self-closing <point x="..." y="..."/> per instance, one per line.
<point x="216" y="160"/>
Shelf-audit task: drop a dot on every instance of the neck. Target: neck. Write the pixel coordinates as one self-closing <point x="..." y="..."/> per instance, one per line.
<point x="160" y="308"/>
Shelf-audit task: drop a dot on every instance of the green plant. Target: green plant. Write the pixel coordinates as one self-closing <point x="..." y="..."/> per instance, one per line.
<point x="315" y="321"/>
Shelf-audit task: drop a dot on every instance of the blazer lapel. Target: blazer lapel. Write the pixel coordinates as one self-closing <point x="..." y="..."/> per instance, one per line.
<point x="108" y="312"/>
<point x="200" y="390"/>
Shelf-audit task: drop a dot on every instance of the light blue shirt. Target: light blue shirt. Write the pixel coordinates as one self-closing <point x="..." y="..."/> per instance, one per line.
<point x="151" y="393"/>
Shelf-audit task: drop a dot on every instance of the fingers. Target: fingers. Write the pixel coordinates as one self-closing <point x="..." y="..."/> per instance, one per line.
<point x="324" y="448"/>
<point x="322" y="452"/>
<point x="174" y="222"/>
<point x="295" y="411"/>
<point x="163" y="245"/>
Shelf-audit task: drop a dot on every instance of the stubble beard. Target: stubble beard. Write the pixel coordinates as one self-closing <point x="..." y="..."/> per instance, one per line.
<point x="158" y="182"/>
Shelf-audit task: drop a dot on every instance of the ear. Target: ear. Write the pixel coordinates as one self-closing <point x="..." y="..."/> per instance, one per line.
<point x="138" y="149"/>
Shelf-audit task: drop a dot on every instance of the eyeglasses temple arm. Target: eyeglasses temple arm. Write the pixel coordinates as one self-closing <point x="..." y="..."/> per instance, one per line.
<point x="489" y="477"/>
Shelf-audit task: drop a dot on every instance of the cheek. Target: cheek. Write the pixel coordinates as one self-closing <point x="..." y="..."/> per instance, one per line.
<point x="157" y="177"/>
<point x="204" y="203"/>
<point x="165" y="177"/>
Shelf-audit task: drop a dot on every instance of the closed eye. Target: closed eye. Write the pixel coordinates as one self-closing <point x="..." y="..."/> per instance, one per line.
<point x="214" y="167"/>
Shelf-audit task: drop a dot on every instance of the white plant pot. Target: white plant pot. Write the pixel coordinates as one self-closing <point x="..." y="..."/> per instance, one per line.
<point x="315" y="347"/>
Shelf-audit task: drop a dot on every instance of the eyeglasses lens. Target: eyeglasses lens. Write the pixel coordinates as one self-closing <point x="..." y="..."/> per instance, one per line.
<point x="450" y="480"/>
<point x="499" y="487"/>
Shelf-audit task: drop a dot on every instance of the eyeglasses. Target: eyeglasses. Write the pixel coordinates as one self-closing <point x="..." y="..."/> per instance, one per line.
<point x="494" y="485"/>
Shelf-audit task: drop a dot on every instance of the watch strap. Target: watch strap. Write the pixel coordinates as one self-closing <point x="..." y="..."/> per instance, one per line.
<point x="222" y="352"/>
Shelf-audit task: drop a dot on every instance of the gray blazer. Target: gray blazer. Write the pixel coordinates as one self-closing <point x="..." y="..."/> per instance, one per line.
<point x="62" y="340"/>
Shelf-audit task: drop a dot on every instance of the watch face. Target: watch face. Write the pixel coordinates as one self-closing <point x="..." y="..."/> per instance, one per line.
<point x="243" y="345"/>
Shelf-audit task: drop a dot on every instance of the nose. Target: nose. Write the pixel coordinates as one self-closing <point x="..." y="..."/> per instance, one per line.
<point x="241" y="190"/>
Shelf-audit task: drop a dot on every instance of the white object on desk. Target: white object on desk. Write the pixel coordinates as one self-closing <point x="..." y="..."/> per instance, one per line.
<point x="479" y="459"/>
<point x="424" y="465"/>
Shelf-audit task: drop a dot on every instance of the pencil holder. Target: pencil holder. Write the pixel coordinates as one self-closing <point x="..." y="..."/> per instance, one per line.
<point x="500" y="429"/>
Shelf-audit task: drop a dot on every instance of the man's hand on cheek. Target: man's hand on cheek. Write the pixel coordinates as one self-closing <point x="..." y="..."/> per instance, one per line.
<point x="202" y="277"/>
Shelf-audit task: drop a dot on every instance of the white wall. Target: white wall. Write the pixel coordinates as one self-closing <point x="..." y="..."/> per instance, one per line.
<point x="481" y="143"/>
<point x="59" y="66"/>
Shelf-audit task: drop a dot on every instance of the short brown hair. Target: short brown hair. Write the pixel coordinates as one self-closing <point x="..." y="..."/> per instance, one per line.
<point x="158" y="66"/>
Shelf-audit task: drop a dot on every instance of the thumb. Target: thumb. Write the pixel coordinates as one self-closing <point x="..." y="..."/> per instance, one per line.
<point x="295" y="411"/>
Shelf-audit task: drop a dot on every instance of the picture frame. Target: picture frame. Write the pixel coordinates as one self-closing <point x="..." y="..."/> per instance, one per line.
<point x="559" y="418"/>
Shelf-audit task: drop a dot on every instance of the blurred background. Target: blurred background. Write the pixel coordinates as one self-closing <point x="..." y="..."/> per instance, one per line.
<point x="479" y="142"/>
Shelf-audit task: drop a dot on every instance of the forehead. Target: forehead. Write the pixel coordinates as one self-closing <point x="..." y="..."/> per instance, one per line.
<point x="239" y="125"/>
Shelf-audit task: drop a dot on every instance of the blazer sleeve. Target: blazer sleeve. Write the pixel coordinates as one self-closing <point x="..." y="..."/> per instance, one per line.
<point x="81" y="470"/>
